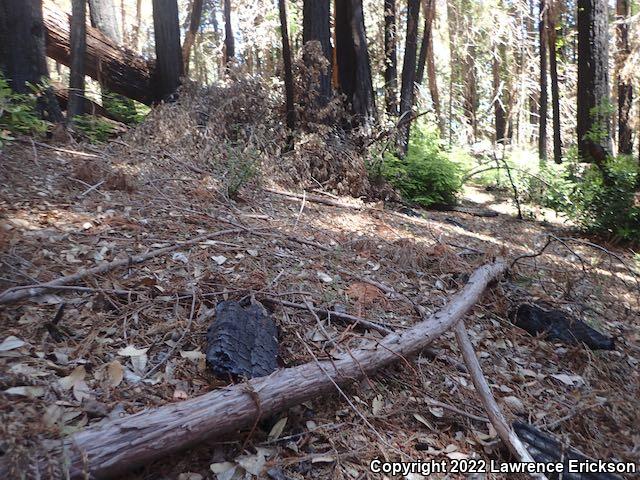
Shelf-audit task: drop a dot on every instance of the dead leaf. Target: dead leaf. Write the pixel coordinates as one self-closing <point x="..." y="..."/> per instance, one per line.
<point x="115" y="373"/>
<point x="26" y="391"/>
<point x="11" y="343"/>
<point x="277" y="429"/>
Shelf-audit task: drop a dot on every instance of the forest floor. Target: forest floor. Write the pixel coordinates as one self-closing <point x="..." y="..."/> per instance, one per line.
<point x="134" y="338"/>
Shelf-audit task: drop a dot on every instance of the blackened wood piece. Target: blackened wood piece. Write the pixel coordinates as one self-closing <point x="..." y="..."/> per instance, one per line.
<point x="242" y="342"/>
<point x="544" y="448"/>
<point x="557" y="325"/>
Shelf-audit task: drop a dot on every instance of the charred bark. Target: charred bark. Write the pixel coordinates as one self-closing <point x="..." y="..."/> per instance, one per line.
<point x="78" y="50"/>
<point x="229" y="42"/>
<point x="316" y="27"/>
<point x="352" y="61"/>
<point x="194" y="24"/>
<point x="118" y="69"/>
<point x="23" y="60"/>
<point x="169" y="66"/>
<point x="624" y="86"/>
<point x="288" y="72"/>
<point x="555" y="92"/>
<point x="407" y="94"/>
<point x="500" y="115"/>
<point x="593" y="81"/>
<point x="542" y="121"/>
<point x="390" y="58"/>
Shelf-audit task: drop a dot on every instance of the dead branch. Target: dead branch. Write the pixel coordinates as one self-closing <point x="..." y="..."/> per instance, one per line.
<point x="15" y="294"/>
<point x="313" y="199"/>
<point x="110" y="448"/>
<point x="507" y="435"/>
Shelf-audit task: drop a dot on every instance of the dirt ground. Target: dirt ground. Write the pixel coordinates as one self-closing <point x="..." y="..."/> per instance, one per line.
<point x="133" y="338"/>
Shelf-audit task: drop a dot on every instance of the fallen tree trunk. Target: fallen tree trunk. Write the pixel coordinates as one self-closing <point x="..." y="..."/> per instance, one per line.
<point x="118" y="69"/>
<point x="113" y="447"/>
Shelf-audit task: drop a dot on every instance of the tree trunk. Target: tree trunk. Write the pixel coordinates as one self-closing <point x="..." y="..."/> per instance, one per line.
<point x="316" y="27"/>
<point x="136" y="27"/>
<point x="542" y="122"/>
<point x="229" y="42"/>
<point x="624" y="86"/>
<point x="22" y="44"/>
<point x="78" y="50"/>
<point x="194" y="24"/>
<point x="407" y="94"/>
<point x="553" y="71"/>
<point x="103" y="17"/>
<point x="498" y="104"/>
<point x="390" y="58"/>
<point x="112" y="447"/>
<point x="533" y="98"/>
<point x="117" y="68"/>
<point x="286" y="60"/>
<point x="593" y="81"/>
<point x="352" y="61"/>
<point x="169" y="66"/>
<point x="426" y="58"/>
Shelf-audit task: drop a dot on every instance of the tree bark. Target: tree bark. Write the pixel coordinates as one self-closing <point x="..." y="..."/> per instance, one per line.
<point x="316" y="27"/>
<point x="593" y="81"/>
<point x="169" y="66"/>
<point x="229" y="42"/>
<point x="426" y="58"/>
<point x="136" y="27"/>
<point x="103" y="17"/>
<point x="407" y="88"/>
<point x="390" y="58"/>
<point x="542" y="121"/>
<point x="78" y="50"/>
<point x="117" y="68"/>
<point x="553" y="72"/>
<point x="624" y="86"/>
<point x="288" y="72"/>
<point x="352" y="61"/>
<point x="111" y="448"/>
<point x="22" y="44"/>
<point x="500" y="115"/>
<point x="194" y="24"/>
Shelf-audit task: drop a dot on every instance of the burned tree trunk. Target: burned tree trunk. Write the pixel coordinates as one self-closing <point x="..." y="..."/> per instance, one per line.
<point x="593" y="81"/>
<point x="169" y="66"/>
<point x="288" y="72"/>
<point x="118" y="69"/>
<point x="78" y="49"/>
<point x="408" y="73"/>
<point x="22" y="44"/>
<point x="316" y="27"/>
<point x="194" y="25"/>
<point x="390" y="58"/>
<point x="426" y="58"/>
<point x="352" y="58"/>
<point x="229" y="42"/>
<point x="624" y="86"/>
<point x="542" y="110"/>
<point x="500" y="115"/>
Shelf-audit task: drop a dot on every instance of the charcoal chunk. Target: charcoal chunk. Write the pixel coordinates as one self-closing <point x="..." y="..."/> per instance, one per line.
<point x="242" y="342"/>
<point x="558" y="325"/>
<point x="544" y="448"/>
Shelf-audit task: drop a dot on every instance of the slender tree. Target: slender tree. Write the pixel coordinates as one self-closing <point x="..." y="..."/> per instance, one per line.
<point x="542" y="110"/>
<point x="229" y="42"/>
<point x="316" y="27"/>
<point x="194" y="24"/>
<point x="75" y="105"/>
<point x="136" y="26"/>
<point x="426" y="59"/>
<point x="352" y="60"/>
<point x="500" y="115"/>
<point x="288" y="73"/>
<point x="407" y="94"/>
<point x="22" y="49"/>
<point x="390" y="58"/>
<point x="552" y="16"/>
<point x="593" y="81"/>
<point x="169" y="66"/>
<point x="103" y="17"/>
<point x="624" y="86"/>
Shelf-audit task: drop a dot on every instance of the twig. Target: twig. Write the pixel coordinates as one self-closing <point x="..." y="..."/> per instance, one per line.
<point x="304" y="202"/>
<point x="446" y="406"/>
<point x="503" y="429"/>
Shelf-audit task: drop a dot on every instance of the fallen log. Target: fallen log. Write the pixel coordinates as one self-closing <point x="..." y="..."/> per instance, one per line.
<point x="117" y="68"/>
<point x="108" y="449"/>
<point x="15" y="294"/>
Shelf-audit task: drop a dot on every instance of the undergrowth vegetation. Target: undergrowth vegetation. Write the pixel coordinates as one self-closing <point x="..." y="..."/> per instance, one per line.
<point x="427" y="175"/>
<point x="18" y="114"/>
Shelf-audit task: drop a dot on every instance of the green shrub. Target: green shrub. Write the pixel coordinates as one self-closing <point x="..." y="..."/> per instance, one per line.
<point x="426" y="175"/>
<point x="94" y="128"/>
<point x="124" y="109"/>
<point x="18" y="113"/>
